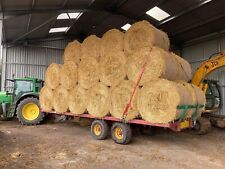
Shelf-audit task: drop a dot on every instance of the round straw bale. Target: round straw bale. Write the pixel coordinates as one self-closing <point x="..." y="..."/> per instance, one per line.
<point x="143" y="34"/>
<point x="52" y="75"/>
<point x="113" y="68"/>
<point x="98" y="102"/>
<point x="72" y="52"/>
<point x="60" y="97"/>
<point x="158" y="100"/>
<point x="120" y="97"/>
<point x="45" y="98"/>
<point x="78" y="100"/>
<point x="160" y="64"/>
<point x="135" y="64"/>
<point x="68" y="75"/>
<point x="112" y="41"/>
<point x="197" y="96"/>
<point x="88" y="72"/>
<point x="184" y="68"/>
<point x="91" y="47"/>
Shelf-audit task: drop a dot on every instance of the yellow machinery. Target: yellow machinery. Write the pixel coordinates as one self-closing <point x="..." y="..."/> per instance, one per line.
<point x="211" y="87"/>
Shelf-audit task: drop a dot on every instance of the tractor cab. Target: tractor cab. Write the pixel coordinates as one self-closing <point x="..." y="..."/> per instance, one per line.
<point x="24" y="86"/>
<point x="22" y="101"/>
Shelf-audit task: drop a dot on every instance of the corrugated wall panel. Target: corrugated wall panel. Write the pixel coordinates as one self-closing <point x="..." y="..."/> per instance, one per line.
<point x="197" y="53"/>
<point x="32" y="61"/>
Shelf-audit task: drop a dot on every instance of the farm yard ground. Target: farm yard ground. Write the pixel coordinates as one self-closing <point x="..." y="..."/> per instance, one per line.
<point x="67" y="145"/>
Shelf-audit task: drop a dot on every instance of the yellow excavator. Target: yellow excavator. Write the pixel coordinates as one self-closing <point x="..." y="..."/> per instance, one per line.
<point x="212" y="92"/>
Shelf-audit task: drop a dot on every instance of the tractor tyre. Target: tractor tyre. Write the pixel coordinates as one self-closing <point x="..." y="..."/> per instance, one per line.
<point x="28" y="111"/>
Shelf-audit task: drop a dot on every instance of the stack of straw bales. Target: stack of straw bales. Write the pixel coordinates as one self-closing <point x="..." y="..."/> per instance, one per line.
<point x="99" y="75"/>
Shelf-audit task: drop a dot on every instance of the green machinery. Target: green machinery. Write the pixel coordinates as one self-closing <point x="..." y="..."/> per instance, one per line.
<point x="22" y="101"/>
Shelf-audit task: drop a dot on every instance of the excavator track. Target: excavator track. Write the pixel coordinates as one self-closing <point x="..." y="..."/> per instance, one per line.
<point x="203" y="126"/>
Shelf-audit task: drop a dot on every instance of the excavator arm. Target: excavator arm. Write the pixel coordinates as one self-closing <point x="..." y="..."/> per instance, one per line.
<point x="206" y="68"/>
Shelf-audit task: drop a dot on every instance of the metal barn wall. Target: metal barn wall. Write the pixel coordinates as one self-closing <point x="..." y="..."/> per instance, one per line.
<point x="30" y="61"/>
<point x="196" y="53"/>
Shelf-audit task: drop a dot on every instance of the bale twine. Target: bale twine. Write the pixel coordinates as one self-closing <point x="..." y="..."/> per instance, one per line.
<point x="45" y="98"/>
<point x="184" y="68"/>
<point x="68" y="75"/>
<point x="158" y="100"/>
<point x="112" y="41"/>
<point x="88" y="72"/>
<point x="52" y="75"/>
<point x="72" y="52"/>
<point x="91" y="47"/>
<point x="120" y="96"/>
<point x="98" y="102"/>
<point x="78" y="100"/>
<point x="112" y="68"/>
<point x="60" y="97"/>
<point x="143" y="34"/>
<point x="160" y="64"/>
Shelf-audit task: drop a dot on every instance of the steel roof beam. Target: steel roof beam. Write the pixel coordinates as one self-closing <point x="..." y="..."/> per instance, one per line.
<point x="188" y="10"/>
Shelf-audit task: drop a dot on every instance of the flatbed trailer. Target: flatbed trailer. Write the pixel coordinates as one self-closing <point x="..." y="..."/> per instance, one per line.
<point x="120" y="130"/>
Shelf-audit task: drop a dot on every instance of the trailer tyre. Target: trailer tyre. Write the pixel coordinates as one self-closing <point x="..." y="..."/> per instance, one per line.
<point x="99" y="129"/>
<point x="28" y="111"/>
<point x="121" y="133"/>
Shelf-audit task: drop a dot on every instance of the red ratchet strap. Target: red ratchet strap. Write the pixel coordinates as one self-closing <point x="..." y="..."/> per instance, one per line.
<point x="128" y="106"/>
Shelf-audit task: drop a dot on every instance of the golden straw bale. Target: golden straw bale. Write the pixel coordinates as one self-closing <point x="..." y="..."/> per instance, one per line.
<point x="60" y="97"/>
<point x="45" y="98"/>
<point x="88" y="72"/>
<point x="160" y="64"/>
<point x="135" y="64"/>
<point x="143" y="34"/>
<point x="184" y="68"/>
<point x="91" y="47"/>
<point x="78" y="100"/>
<point x="98" y="102"/>
<point x="120" y="97"/>
<point x="112" y="41"/>
<point x="68" y="75"/>
<point x="52" y="75"/>
<point x="197" y="96"/>
<point x="158" y="100"/>
<point x="72" y="52"/>
<point x="113" y="68"/>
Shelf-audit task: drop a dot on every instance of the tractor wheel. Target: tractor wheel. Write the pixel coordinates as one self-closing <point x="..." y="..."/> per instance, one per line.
<point x="121" y="133"/>
<point x="99" y="129"/>
<point x="28" y="111"/>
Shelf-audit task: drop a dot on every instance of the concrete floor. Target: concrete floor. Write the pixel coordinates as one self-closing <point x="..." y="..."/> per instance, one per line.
<point x="70" y="146"/>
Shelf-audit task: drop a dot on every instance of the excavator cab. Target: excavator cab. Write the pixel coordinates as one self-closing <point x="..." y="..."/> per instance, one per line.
<point x="213" y="96"/>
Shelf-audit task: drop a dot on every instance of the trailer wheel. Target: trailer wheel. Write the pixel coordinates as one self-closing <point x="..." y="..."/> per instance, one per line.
<point x="121" y="133"/>
<point x="99" y="129"/>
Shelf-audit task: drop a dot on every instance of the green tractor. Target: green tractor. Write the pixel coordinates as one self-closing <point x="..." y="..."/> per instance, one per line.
<point x="23" y="101"/>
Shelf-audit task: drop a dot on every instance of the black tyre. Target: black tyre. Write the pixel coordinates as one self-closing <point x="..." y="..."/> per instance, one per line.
<point x="99" y="129"/>
<point x="121" y="133"/>
<point x="28" y="111"/>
